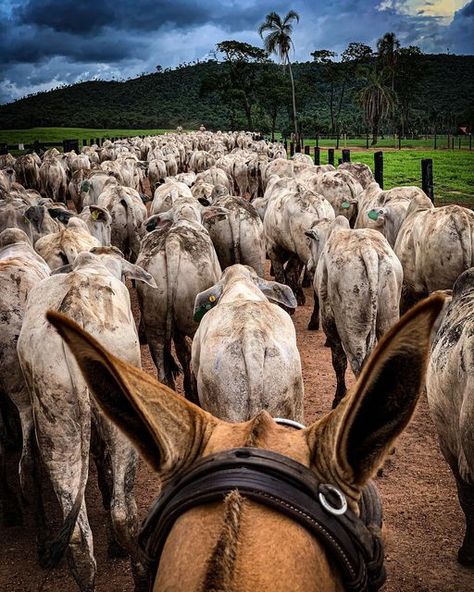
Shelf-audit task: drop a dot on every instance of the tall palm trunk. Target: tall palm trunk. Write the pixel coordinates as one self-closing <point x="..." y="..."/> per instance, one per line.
<point x="293" y="98"/>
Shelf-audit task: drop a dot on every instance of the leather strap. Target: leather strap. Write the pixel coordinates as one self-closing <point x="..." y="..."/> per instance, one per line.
<point x="287" y="486"/>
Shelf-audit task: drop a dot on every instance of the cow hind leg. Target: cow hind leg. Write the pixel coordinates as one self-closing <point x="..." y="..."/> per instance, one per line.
<point x="293" y="272"/>
<point x="339" y="359"/>
<point x="183" y="351"/>
<point x="466" y="501"/>
<point x="163" y="359"/>
<point x="313" y="324"/>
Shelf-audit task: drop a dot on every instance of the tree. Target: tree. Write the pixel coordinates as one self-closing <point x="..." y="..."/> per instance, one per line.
<point x="388" y="48"/>
<point x="237" y="84"/>
<point x="279" y="41"/>
<point x="377" y="100"/>
<point x="408" y="82"/>
<point x="273" y="93"/>
<point x="357" y="52"/>
<point x="333" y="92"/>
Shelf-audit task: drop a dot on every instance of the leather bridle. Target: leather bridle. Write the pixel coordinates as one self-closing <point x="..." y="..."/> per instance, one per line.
<point x="281" y="483"/>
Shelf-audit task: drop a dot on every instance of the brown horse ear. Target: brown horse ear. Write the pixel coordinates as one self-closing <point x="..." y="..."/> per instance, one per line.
<point x="357" y="435"/>
<point x="168" y="431"/>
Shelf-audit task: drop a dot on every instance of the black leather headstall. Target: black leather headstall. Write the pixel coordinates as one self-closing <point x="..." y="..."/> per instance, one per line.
<point x="288" y="487"/>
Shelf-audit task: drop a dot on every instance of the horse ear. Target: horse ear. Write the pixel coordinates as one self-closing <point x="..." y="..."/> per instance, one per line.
<point x="169" y="431"/>
<point x="365" y="424"/>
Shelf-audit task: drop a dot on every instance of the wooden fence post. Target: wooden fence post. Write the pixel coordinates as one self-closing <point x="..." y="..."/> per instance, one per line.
<point x="292" y="148"/>
<point x="306" y="149"/>
<point x="378" y="168"/>
<point x="317" y="140"/>
<point x="285" y="144"/>
<point x="346" y="155"/>
<point x="427" y="177"/>
<point x="331" y="156"/>
<point x="317" y="155"/>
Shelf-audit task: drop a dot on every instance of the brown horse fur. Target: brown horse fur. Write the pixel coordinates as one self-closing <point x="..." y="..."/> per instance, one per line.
<point x="238" y="545"/>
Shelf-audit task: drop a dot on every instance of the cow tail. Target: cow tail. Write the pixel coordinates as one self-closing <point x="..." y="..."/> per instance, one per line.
<point x="465" y="230"/>
<point x="253" y="353"/>
<point x="57" y="545"/>
<point x="131" y="226"/>
<point x="172" y="251"/>
<point x="234" y="222"/>
<point x="372" y="272"/>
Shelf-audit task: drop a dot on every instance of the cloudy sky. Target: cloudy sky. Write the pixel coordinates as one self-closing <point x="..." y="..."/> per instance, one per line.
<point x="45" y="43"/>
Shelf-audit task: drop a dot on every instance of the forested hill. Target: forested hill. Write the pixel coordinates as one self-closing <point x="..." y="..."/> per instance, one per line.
<point x="174" y="97"/>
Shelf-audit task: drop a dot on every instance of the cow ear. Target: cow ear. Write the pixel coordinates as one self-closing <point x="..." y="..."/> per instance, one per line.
<point x="312" y="233"/>
<point x="363" y="427"/>
<point x="63" y="269"/>
<point x="135" y="272"/>
<point x="161" y="221"/>
<point x="169" y="431"/>
<point x="35" y="215"/>
<point x="61" y="214"/>
<point x="206" y="300"/>
<point x="100" y="214"/>
<point x="215" y="212"/>
<point x="277" y="292"/>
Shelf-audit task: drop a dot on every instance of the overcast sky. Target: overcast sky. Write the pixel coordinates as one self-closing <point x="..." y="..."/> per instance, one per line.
<point x="45" y="43"/>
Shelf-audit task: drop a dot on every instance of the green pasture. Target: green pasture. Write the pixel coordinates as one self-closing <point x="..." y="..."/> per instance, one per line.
<point x="58" y="134"/>
<point x="453" y="170"/>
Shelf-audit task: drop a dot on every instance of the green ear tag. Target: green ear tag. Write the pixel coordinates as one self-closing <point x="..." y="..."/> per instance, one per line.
<point x="346" y="205"/>
<point x="201" y="311"/>
<point x="373" y="215"/>
<point x="85" y="186"/>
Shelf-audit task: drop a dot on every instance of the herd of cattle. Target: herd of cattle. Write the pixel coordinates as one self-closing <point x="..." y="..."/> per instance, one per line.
<point x="73" y="227"/>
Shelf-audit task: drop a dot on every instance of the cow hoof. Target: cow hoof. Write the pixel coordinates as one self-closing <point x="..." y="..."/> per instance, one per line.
<point x="115" y="551"/>
<point x="300" y="299"/>
<point x="466" y="557"/>
<point x="12" y="518"/>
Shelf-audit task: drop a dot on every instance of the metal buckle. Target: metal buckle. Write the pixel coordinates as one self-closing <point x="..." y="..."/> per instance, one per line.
<point x="327" y="506"/>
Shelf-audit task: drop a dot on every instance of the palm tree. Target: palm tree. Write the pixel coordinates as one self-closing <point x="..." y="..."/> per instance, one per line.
<point x="279" y="41"/>
<point x="388" y="47"/>
<point x="377" y="100"/>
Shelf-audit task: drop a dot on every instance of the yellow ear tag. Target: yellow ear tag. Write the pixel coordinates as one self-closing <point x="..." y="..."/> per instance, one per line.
<point x="212" y="298"/>
<point x="95" y="214"/>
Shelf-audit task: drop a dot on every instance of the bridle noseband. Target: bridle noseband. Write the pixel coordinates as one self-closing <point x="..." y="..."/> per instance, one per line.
<point x="287" y="486"/>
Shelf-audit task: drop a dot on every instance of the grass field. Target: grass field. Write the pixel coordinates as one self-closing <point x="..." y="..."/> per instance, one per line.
<point x="453" y="170"/>
<point x="58" y="134"/>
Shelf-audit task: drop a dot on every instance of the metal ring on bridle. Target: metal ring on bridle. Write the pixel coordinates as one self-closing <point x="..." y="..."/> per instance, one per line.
<point x="327" y="506"/>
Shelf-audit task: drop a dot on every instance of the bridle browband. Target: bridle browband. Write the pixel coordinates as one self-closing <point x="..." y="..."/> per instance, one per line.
<point x="287" y="486"/>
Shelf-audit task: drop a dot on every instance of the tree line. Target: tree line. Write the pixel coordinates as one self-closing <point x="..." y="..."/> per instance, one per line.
<point x="390" y="89"/>
<point x="385" y="86"/>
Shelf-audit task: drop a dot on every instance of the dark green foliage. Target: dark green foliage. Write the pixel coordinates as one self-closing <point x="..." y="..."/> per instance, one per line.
<point x="171" y="98"/>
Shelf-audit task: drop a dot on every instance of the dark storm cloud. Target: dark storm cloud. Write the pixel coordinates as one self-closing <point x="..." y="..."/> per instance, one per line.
<point x="45" y="43"/>
<point x="87" y="16"/>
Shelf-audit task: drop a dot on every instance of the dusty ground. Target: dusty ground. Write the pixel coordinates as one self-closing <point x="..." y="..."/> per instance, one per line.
<point x="422" y="517"/>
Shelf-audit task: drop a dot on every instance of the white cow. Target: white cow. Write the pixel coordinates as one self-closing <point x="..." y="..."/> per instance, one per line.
<point x="252" y="343"/>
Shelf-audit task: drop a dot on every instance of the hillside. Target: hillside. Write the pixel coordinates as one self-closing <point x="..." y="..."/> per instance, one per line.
<point x="173" y="97"/>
